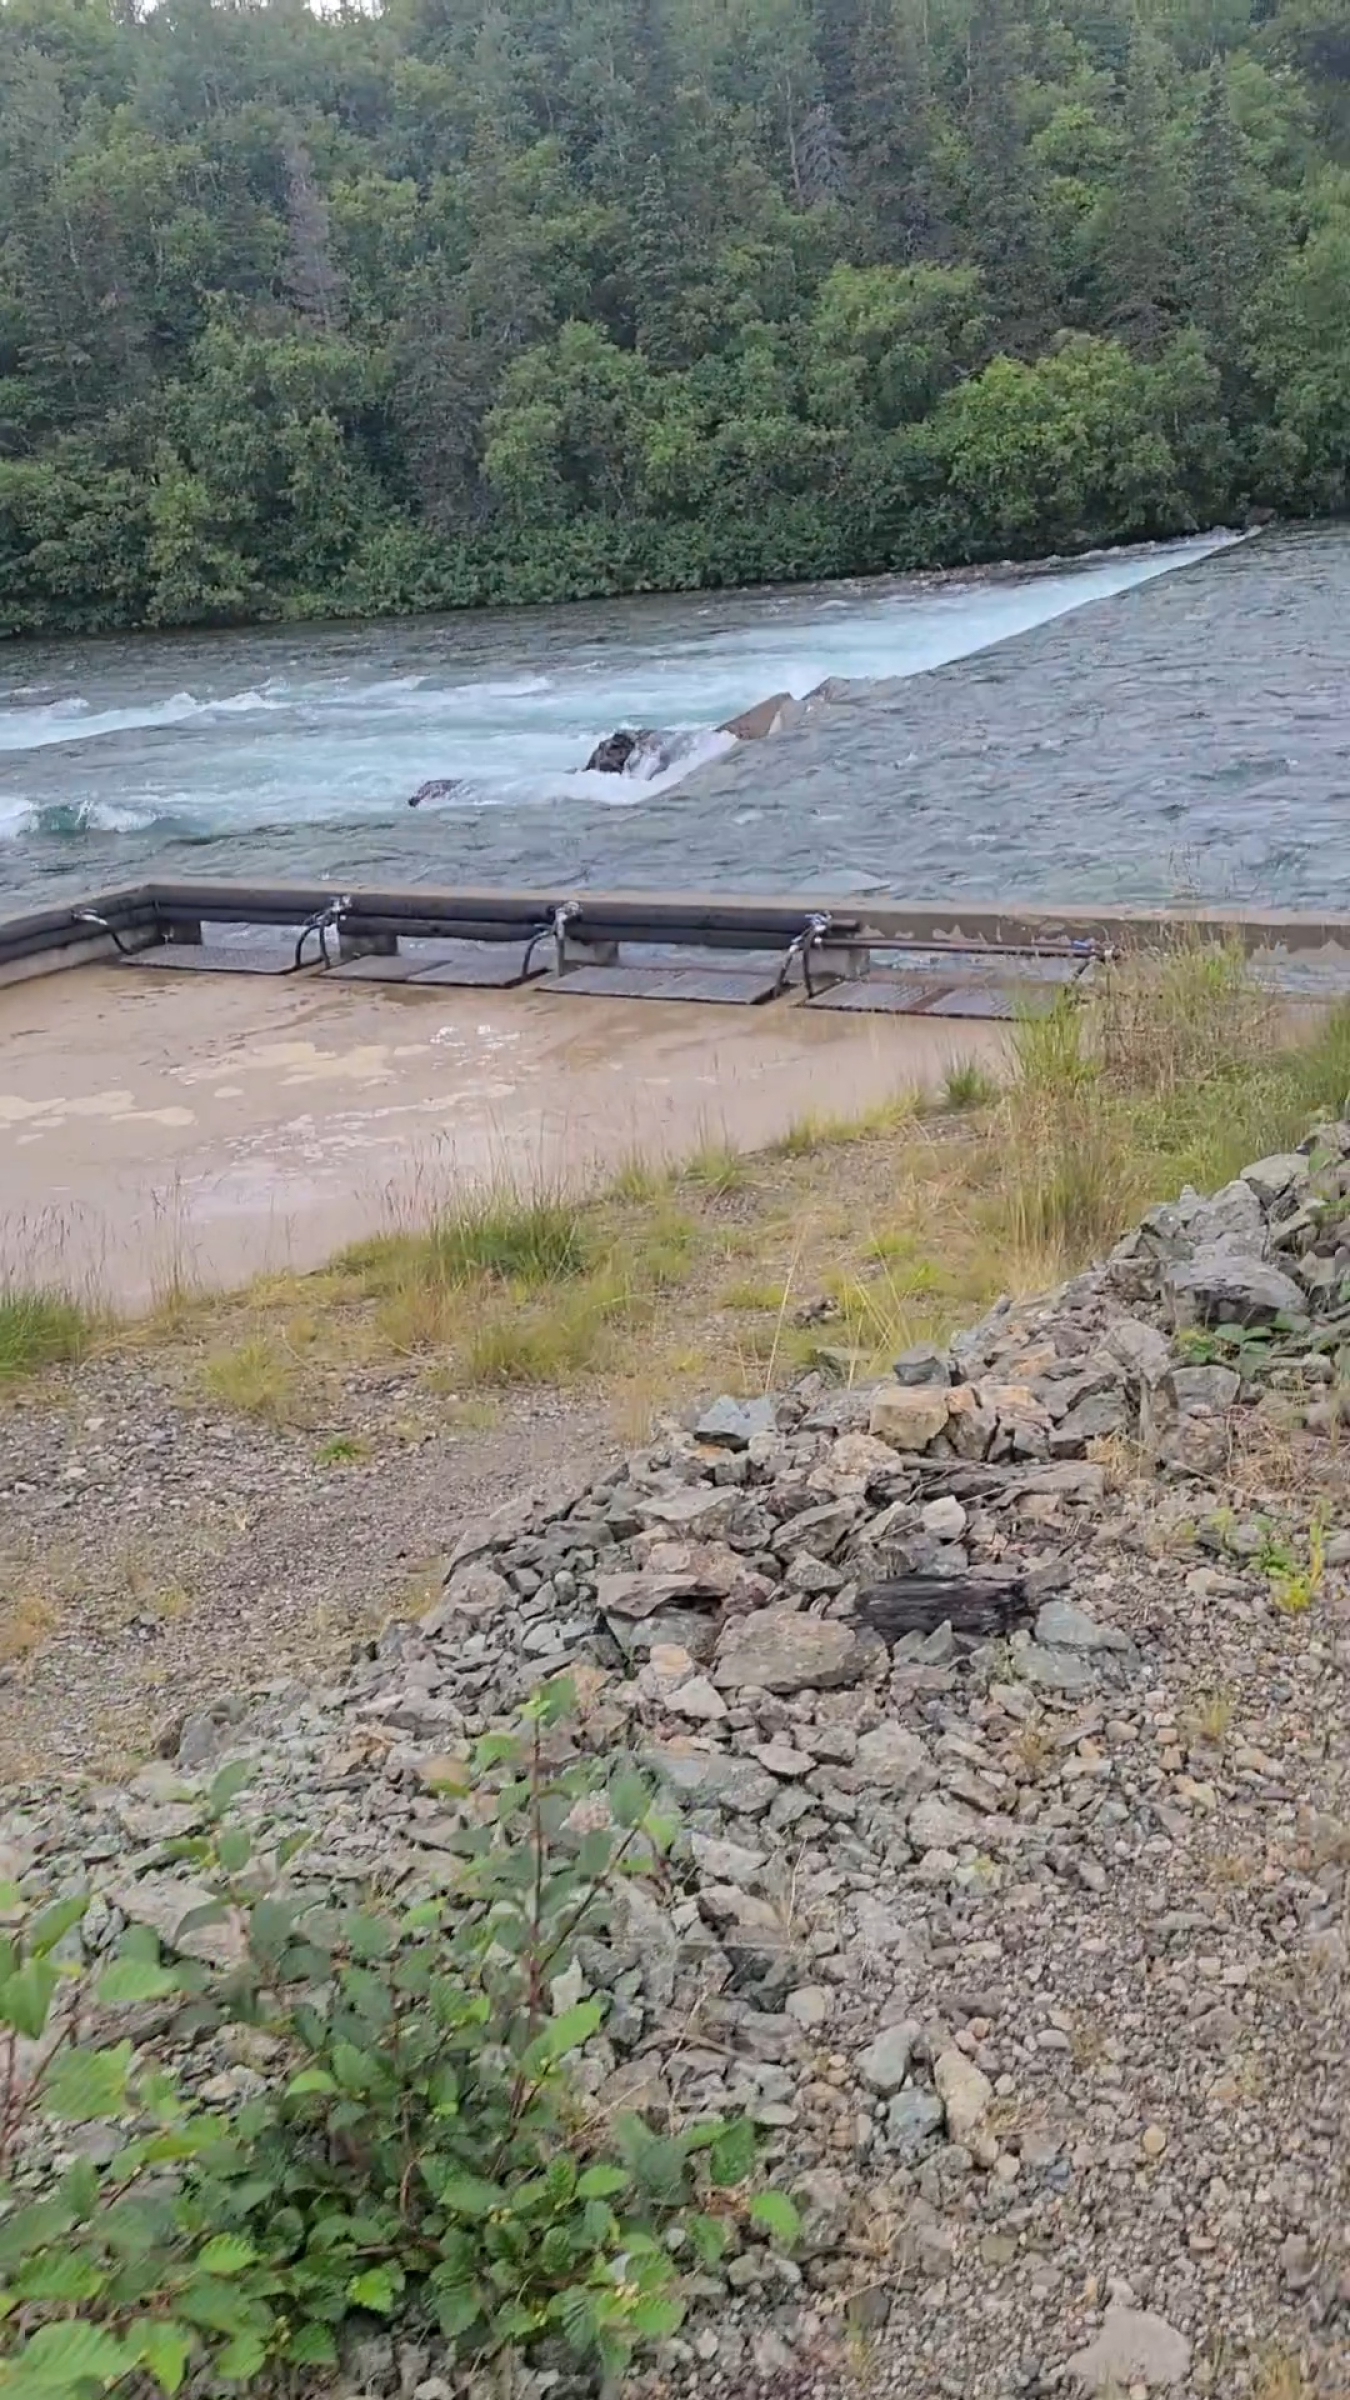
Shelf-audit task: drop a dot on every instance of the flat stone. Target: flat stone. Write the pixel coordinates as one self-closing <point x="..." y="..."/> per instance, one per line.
<point x="726" y="1862"/>
<point x="851" y="1463"/>
<point x="1270" y="1178"/>
<point x="775" y="1650"/>
<point x="1222" y="1287"/>
<point x="730" y="1424"/>
<point x="884" y="2064"/>
<point x="781" y="1759"/>
<point x="810" y="2006"/>
<point x="472" y="1593"/>
<point x="965" y="2093"/>
<point x="1133" y="2347"/>
<point x="1140" y="1350"/>
<point x="894" y="1761"/>
<point x="911" y="2118"/>
<point x="1061" y="1626"/>
<point x="1054" y="1670"/>
<point x="909" y="1417"/>
<point x="938" y="1824"/>
<point x="163" y="1902"/>
<point x="698" y="1699"/>
<point x="1205" y="1387"/>
<point x="924" y="1363"/>
<point x="945" y="1519"/>
<point x="702" y="1509"/>
<point x="712" y="1777"/>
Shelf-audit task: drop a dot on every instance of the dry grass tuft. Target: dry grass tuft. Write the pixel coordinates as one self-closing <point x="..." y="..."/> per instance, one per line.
<point x="257" y="1377"/>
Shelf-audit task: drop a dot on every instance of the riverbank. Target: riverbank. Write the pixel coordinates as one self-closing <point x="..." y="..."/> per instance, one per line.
<point x="236" y="1478"/>
<point x="1007" y="1909"/>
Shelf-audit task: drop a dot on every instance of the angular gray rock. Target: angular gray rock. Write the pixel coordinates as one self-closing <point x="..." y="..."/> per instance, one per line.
<point x="1221" y="1287"/>
<point x="775" y="1650"/>
<point x="1061" y="1626"/>
<point x="884" y="2064"/>
<point x="1270" y="1178"/>
<point x="729" y="1424"/>
<point x="1231" y="1220"/>
<point x="924" y="1363"/>
<point x="894" y="1761"/>
<point x="1133" y="2347"/>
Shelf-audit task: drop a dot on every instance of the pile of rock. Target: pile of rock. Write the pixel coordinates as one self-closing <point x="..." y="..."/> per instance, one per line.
<point x="877" y="1833"/>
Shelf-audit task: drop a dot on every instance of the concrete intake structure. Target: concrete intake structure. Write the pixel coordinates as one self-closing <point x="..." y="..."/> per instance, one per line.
<point x="161" y="1128"/>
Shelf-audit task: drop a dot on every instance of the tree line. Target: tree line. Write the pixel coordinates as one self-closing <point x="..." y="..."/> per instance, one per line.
<point x="459" y="301"/>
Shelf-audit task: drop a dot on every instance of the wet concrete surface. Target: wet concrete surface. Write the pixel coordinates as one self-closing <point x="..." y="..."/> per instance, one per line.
<point x="160" y="1131"/>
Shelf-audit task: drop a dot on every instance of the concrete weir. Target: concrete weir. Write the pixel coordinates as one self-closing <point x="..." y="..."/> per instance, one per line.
<point x="190" y="1105"/>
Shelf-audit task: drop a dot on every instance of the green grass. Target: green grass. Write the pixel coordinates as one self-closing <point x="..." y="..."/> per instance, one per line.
<point x="717" y="1169"/>
<point x="40" y="1329"/>
<point x="1178" y="1071"/>
<point x="968" y="1085"/>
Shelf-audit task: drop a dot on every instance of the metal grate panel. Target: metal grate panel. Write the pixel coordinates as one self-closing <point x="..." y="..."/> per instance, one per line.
<point x="737" y="987"/>
<point x="259" y="954"/>
<point x="493" y="966"/>
<point x="994" y="1001"/>
<point x="483" y="966"/>
<point x="881" y="995"/>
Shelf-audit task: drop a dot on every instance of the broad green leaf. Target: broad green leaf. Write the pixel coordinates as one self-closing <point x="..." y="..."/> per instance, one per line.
<point x="164" y="2351"/>
<point x="368" y="1937"/>
<point x="241" y="2358"/>
<point x="655" y="2317"/>
<point x="228" y="1785"/>
<point x="54" y="1923"/>
<point x="376" y="2288"/>
<point x="458" y="2310"/>
<point x="733" y="2153"/>
<point x="26" y="1996"/>
<point x="629" y="1798"/>
<point x="72" y="2353"/>
<point x="602" y="2183"/>
<point x="226" y="2254"/>
<point x="270" y="1926"/>
<point x="29" y="2228"/>
<point x="365" y="1992"/>
<point x="709" y="2237"/>
<point x="129" y="1980"/>
<point x="469" y="2196"/>
<point x="65" y="2275"/>
<point x="234" y="1849"/>
<point x="312" y="2345"/>
<point x="310" y="2079"/>
<point x="88" y="2083"/>
<point x="776" y="2213"/>
<point x="567" y="2032"/>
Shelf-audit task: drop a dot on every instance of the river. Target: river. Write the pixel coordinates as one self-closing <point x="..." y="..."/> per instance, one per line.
<point x="1138" y="725"/>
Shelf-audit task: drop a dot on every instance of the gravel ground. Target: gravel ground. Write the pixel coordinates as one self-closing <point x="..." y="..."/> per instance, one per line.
<point x="1029" y="1954"/>
<point x="153" y="1556"/>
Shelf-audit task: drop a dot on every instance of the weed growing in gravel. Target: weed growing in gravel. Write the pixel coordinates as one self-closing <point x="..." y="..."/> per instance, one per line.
<point x="418" y="2152"/>
<point x="1295" y="1583"/>
<point x="40" y="1329"/>
<point x="344" y="1450"/>
<point x="257" y="1377"/>
<point x="967" y="1085"/>
<point x="717" y="1169"/>
<point x="1212" y="1718"/>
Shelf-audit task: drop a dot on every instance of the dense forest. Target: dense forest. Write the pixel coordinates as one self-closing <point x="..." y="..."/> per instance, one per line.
<point x="453" y="301"/>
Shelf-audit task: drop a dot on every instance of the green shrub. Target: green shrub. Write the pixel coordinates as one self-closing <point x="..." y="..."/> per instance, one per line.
<point x="419" y="2152"/>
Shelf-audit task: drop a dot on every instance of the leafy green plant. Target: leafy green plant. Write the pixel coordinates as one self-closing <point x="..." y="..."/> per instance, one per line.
<point x="420" y="2150"/>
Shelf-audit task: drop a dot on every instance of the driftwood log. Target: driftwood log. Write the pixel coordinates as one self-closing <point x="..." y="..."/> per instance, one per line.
<point x="920" y="1603"/>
